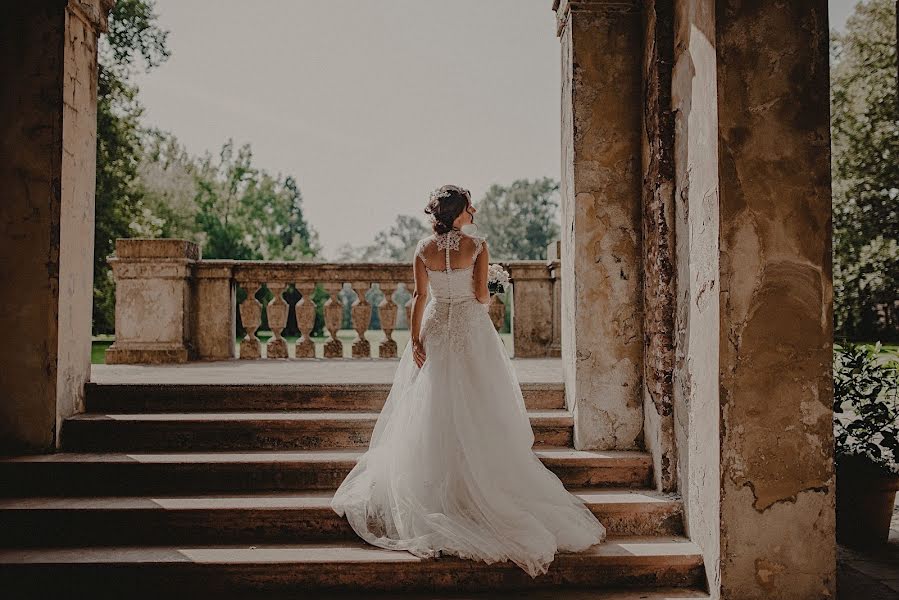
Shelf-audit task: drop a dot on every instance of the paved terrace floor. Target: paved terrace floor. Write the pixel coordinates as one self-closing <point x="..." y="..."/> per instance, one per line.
<point x="232" y="372"/>
<point x="872" y="573"/>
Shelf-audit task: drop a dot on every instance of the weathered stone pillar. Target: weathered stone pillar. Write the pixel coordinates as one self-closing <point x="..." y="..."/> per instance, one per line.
<point x="602" y="340"/>
<point x="777" y="483"/>
<point x="696" y="328"/>
<point x="48" y="120"/>
<point x="214" y="310"/>
<point x="659" y="284"/>
<point x="153" y="301"/>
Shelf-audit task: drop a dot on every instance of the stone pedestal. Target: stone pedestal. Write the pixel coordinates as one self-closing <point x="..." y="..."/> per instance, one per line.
<point x="213" y="312"/>
<point x="48" y="120"/>
<point x="153" y="286"/>
<point x="532" y="309"/>
<point x="602" y="340"/>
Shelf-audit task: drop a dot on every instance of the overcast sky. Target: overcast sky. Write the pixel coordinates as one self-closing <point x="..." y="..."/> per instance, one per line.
<point x="370" y="104"/>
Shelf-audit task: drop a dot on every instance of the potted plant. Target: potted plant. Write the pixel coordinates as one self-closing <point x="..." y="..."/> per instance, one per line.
<point x="866" y="426"/>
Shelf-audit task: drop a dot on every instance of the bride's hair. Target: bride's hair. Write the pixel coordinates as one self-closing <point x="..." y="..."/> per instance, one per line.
<point x="445" y="205"/>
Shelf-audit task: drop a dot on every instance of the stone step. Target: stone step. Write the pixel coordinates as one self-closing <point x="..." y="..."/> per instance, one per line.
<point x="264" y="517"/>
<point x="217" y="570"/>
<point x="100" y="432"/>
<point x="544" y="593"/>
<point x="89" y="474"/>
<point x="211" y="397"/>
<point x="550" y="593"/>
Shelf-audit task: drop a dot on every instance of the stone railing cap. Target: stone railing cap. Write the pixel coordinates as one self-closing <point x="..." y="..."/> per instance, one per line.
<point x="156" y="248"/>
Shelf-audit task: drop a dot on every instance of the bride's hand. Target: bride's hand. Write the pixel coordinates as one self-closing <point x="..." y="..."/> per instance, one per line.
<point x="418" y="353"/>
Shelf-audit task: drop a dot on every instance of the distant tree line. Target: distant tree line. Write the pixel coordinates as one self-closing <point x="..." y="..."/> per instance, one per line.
<point x="148" y="185"/>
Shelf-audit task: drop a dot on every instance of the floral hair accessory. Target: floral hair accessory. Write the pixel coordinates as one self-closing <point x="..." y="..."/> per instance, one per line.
<point x="448" y="190"/>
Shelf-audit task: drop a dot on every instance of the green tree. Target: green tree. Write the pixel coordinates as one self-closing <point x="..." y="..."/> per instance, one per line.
<point x="394" y="244"/>
<point x="245" y="213"/>
<point x="134" y="41"/>
<point x="168" y="176"/>
<point x="865" y="142"/>
<point x="520" y="220"/>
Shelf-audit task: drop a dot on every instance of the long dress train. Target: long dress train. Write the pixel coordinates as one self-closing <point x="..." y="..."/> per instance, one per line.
<point x="450" y="469"/>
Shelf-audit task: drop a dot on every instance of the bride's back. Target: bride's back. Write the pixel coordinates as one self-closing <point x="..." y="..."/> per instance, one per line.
<point x="463" y="252"/>
<point x="450" y="260"/>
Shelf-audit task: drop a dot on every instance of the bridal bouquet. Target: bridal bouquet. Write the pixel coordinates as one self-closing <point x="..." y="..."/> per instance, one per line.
<point x="497" y="279"/>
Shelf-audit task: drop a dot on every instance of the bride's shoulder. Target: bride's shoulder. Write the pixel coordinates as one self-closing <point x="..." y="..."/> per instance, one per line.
<point x="473" y="244"/>
<point x="475" y="240"/>
<point x="423" y="243"/>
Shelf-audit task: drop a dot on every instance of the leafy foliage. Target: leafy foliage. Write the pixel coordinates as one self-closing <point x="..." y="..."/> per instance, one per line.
<point x="243" y="212"/>
<point x="148" y="185"/>
<point x="865" y="141"/>
<point x="134" y="41"/>
<point x="168" y="174"/>
<point x="866" y="406"/>
<point x="520" y="220"/>
<point x="394" y="244"/>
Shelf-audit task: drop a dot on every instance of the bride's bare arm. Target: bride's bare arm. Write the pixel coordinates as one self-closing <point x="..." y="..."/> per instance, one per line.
<point x="481" y="265"/>
<point x="419" y="297"/>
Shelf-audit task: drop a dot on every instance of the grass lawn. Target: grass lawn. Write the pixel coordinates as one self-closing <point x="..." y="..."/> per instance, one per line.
<point x="101" y="343"/>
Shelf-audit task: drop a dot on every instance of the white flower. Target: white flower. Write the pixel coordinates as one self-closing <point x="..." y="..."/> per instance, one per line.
<point x="497" y="275"/>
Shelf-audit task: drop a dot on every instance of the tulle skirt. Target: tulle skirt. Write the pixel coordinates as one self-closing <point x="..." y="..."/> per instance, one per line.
<point x="450" y="469"/>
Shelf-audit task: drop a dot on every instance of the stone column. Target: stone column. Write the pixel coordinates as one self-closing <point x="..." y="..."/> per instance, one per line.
<point x="48" y="103"/>
<point x="214" y="310"/>
<point x="777" y="483"/>
<point x="659" y="293"/>
<point x="602" y="340"/>
<point x="695" y="391"/>
<point x="153" y="301"/>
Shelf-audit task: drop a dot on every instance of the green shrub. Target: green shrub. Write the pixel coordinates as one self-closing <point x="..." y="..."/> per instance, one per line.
<point x="865" y="398"/>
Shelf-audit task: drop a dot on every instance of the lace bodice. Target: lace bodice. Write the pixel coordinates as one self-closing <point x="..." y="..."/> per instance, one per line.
<point x="450" y="284"/>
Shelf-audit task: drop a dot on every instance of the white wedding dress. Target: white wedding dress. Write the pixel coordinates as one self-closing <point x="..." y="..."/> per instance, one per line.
<point x="450" y="468"/>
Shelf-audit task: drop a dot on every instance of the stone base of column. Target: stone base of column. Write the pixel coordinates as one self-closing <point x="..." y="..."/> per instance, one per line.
<point x="154" y="354"/>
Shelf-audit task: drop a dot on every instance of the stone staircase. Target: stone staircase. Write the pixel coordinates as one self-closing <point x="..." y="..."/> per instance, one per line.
<point x="221" y="490"/>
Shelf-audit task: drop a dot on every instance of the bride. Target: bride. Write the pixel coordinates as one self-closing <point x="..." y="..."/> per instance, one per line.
<point x="450" y="468"/>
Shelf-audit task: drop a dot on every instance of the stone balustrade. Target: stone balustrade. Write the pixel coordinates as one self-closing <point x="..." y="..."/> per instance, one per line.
<point x="172" y="306"/>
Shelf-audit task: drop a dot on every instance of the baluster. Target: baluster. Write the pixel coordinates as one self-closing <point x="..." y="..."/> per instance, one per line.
<point x="277" y="321"/>
<point x="251" y="318"/>
<point x="333" y="318"/>
<point x="410" y="287"/>
<point x="360" y="312"/>
<point x="387" y="313"/>
<point x="305" y="313"/>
